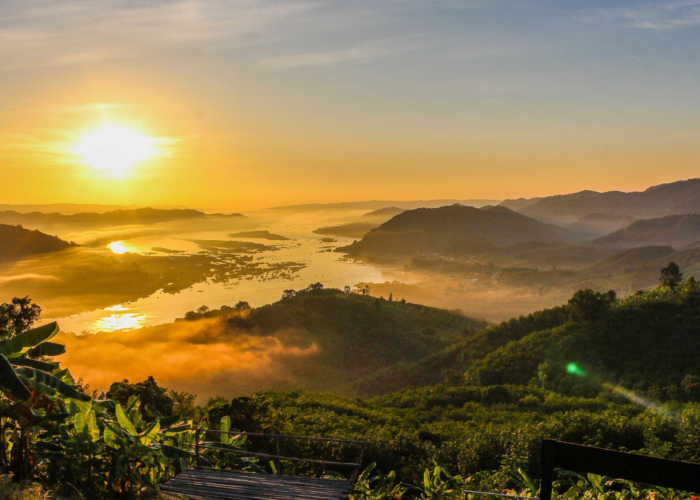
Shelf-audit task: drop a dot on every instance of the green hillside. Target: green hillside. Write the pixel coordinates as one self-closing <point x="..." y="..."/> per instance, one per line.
<point x="616" y="374"/>
<point x="359" y="339"/>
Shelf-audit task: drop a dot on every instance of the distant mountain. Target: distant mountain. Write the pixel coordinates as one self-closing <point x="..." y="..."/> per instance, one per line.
<point x="378" y="204"/>
<point x="92" y="219"/>
<point x="445" y="229"/>
<point x="350" y="230"/>
<point x="78" y="208"/>
<point x="674" y="230"/>
<point x="17" y="243"/>
<point x="519" y="204"/>
<point x="263" y="235"/>
<point x="676" y="198"/>
<point x="384" y="213"/>
<point x="601" y="223"/>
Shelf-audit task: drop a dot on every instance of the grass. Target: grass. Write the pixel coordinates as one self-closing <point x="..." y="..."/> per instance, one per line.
<point x="22" y="491"/>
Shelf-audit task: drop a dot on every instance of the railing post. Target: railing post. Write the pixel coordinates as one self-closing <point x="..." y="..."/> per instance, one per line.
<point x="196" y="448"/>
<point x="547" y="466"/>
<point x="356" y="472"/>
<point x="278" y="464"/>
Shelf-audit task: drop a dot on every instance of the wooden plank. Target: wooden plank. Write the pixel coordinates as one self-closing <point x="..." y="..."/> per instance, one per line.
<point x="257" y="484"/>
<point x="200" y="484"/>
<point x="251" y="493"/>
<point x="233" y="475"/>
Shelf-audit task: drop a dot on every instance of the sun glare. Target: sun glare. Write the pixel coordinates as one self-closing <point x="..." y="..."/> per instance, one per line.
<point x="115" y="149"/>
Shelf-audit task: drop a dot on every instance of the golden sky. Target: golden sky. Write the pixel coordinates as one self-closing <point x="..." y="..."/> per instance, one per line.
<point x="248" y="104"/>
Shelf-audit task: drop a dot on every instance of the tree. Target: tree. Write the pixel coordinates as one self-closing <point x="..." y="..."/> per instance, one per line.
<point x="148" y="391"/>
<point x="18" y="316"/>
<point x="314" y="286"/>
<point x="288" y="294"/>
<point x="203" y="309"/>
<point x="671" y="275"/>
<point x="347" y="290"/>
<point x="242" y="305"/>
<point x="587" y="305"/>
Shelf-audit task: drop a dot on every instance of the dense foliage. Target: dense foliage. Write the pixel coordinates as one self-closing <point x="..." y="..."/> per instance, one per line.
<point x="367" y="345"/>
<point x="599" y="371"/>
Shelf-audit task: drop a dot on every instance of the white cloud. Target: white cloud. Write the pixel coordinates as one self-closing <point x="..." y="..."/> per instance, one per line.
<point x="39" y="33"/>
<point x="657" y="16"/>
<point x="357" y="53"/>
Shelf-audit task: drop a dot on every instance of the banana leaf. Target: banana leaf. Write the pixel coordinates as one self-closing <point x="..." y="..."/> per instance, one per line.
<point x="10" y="382"/>
<point x="76" y="406"/>
<point x="86" y="424"/>
<point x="52" y="382"/>
<point x="20" y="344"/>
<point x="124" y="421"/>
<point x="47" y="349"/>
<point x="226" y="427"/>
<point x="33" y="363"/>
<point x="154" y="413"/>
<point x="112" y="436"/>
<point x="103" y="404"/>
<point x="150" y="434"/>
<point x="167" y="422"/>
<point x="176" y="429"/>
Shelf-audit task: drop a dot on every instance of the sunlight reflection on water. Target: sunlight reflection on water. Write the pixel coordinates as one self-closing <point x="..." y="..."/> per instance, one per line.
<point x="119" y="322"/>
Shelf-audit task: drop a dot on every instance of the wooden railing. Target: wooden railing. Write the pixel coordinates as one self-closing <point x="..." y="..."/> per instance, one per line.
<point x="636" y="468"/>
<point x="200" y="445"/>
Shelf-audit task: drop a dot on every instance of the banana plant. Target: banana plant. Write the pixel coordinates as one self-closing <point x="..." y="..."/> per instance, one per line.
<point x="440" y="485"/>
<point x="379" y="487"/>
<point x="31" y="385"/>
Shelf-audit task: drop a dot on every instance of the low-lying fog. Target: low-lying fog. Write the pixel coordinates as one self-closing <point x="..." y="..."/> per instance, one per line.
<point x="122" y="280"/>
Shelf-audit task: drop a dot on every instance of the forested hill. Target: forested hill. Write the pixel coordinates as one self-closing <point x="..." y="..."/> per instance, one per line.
<point x="349" y="338"/>
<point x="675" y="198"/>
<point x="17" y="243"/>
<point x="113" y="218"/>
<point x="674" y="230"/>
<point x="596" y="371"/>
<point x="444" y="229"/>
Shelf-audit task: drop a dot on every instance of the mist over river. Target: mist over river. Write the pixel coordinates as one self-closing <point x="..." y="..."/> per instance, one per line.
<point x="313" y="261"/>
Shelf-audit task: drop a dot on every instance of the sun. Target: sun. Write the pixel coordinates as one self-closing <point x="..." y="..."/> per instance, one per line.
<point x="115" y="149"/>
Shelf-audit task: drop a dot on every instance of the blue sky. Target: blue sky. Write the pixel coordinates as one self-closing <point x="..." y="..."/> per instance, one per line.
<point x="491" y="98"/>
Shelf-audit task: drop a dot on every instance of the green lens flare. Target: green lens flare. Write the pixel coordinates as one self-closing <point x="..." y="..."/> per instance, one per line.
<point x="573" y="369"/>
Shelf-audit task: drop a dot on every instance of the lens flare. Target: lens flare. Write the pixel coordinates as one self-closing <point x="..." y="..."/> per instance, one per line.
<point x="639" y="400"/>
<point x="574" y="369"/>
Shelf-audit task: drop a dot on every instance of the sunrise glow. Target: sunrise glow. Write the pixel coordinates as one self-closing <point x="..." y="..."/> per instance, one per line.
<point x="114" y="149"/>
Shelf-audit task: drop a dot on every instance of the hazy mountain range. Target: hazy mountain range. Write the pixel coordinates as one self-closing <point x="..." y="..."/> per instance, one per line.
<point x="379" y="204"/>
<point x="675" y="198"/>
<point x="93" y="219"/>
<point x="443" y="229"/>
<point x="78" y="208"/>
<point x="674" y="230"/>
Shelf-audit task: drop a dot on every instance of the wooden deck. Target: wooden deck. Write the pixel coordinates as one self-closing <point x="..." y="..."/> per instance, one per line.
<point x="199" y="484"/>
